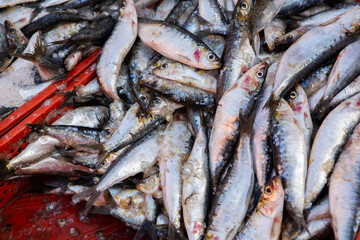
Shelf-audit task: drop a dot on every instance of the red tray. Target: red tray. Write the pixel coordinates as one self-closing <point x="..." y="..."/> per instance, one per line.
<point x="24" y="215"/>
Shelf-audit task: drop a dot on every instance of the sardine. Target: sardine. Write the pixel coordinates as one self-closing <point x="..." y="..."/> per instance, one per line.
<point x="294" y="6"/>
<point x="196" y="187"/>
<point x="273" y="32"/>
<point x="344" y="197"/>
<point x="316" y="80"/>
<point x="174" y="150"/>
<point x="120" y="42"/>
<point x="290" y="158"/>
<point x="235" y="106"/>
<point x="212" y="12"/>
<point x="349" y="91"/>
<point x="151" y="186"/>
<point x="330" y="139"/>
<point x="290" y="37"/>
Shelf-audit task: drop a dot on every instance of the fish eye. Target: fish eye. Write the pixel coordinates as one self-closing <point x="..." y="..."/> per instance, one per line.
<point x="293" y="95"/>
<point x="164" y="66"/>
<point x="279" y="104"/>
<point x="211" y="57"/>
<point x="156" y="101"/>
<point x="243" y="5"/>
<point x="103" y="164"/>
<point x="12" y="30"/>
<point x="8" y="57"/>
<point x="276" y="39"/>
<point x="259" y="74"/>
<point x="289" y="38"/>
<point x="142" y="98"/>
<point x="123" y="4"/>
<point x="268" y="190"/>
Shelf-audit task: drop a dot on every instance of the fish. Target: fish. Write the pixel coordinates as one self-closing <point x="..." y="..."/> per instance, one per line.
<point x="45" y="145"/>
<point x="141" y="157"/>
<point x="290" y="37"/>
<point x="262" y="13"/>
<point x="212" y="12"/>
<point x="189" y="50"/>
<point x="78" y="4"/>
<point x="163" y="107"/>
<point x="5" y="56"/>
<point x="178" y="92"/>
<point x="120" y="41"/>
<point x="173" y="152"/>
<point x="48" y="68"/>
<point x="290" y="158"/>
<point x="117" y="113"/>
<point x="349" y="91"/>
<point x="265" y="221"/>
<point x="316" y="80"/>
<point x="314" y="10"/>
<point x="151" y="186"/>
<point x="299" y="104"/>
<point x="234" y="107"/>
<point x="294" y="6"/>
<point x="273" y="32"/>
<point x="16" y="40"/>
<point x="260" y="135"/>
<point x="50" y="20"/>
<point x="69" y="135"/>
<point x="298" y="61"/>
<point x="196" y="186"/>
<point x="343" y="190"/>
<point x="20" y="15"/>
<point x="329" y="140"/>
<point x="314" y="228"/>
<point x="238" y="54"/>
<point x="345" y="69"/>
<point x="232" y="200"/>
<point x="187" y="75"/>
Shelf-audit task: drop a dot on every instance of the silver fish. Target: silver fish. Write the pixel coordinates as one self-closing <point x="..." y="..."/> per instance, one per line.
<point x="349" y="91"/>
<point x="330" y="139"/>
<point x="196" y="187"/>
<point x="273" y="32"/>
<point x="120" y="42"/>
<point x="174" y="151"/>
<point x="344" y="197"/>
<point x="316" y="80"/>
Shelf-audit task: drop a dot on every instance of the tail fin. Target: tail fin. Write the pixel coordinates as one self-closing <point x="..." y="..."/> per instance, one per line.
<point x="38" y="51"/>
<point x="91" y="195"/>
<point x="147" y="227"/>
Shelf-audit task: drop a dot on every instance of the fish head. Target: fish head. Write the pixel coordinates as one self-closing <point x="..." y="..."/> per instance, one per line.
<point x="167" y="69"/>
<point x="206" y="58"/>
<point x="128" y="10"/>
<point x="272" y="197"/>
<point x="242" y="9"/>
<point x="150" y="184"/>
<point x="254" y="78"/>
<point x="15" y="38"/>
<point x="163" y="107"/>
<point x="297" y="98"/>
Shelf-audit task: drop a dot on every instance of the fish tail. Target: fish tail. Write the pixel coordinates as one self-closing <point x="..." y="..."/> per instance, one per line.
<point x="38" y="51"/>
<point x="146" y="227"/>
<point x="64" y="153"/>
<point x="59" y="42"/>
<point x="90" y="193"/>
<point x="104" y="210"/>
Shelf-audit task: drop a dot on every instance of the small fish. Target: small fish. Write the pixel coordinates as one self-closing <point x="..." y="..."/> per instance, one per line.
<point x="329" y="140"/>
<point x="187" y="75"/>
<point x="120" y="42"/>
<point x="273" y="32"/>
<point x="185" y="47"/>
<point x="265" y="221"/>
<point x="316" y="80"/>
<point x="16" y="40"/>
<point x="349" y="91"/>
<point x="343" y="189"/>
<point x="294" y="6"/>
<point x="48" y="69"/>
<point x="117" y="113"/>
<point x="290" y="37"/>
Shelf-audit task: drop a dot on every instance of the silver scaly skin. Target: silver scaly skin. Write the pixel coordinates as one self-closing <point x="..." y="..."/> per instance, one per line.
<point x="290" y="158"/>
<point x="330" y="139"/>
<point x="344" y="197"/>
<point x="174" y="152"/>
<point x="349" y="91"/>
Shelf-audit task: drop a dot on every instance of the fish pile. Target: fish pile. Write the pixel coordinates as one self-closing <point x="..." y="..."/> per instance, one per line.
<point x="208" y="119"/>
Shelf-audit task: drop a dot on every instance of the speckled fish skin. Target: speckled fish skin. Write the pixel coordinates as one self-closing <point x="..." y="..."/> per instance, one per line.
<point x="116" y="48"/>
<point x="238" y="54"/>
<point x="319" y="210"/>
<point x="174" y="151"/>
<point x="322" y="17"/>
<point x="178" y="92"/>
<point x="345" y="69"/>
<point x="294" y="6"/>
<point x="45" y="145"/>
<point x="51" y="165"/>
<point x="330" y="138"/>
<point x="349" y="91"/>
<point x="265" y="221"/>
<point x="299" y="104"/>
<point x="273" y="32"/>
<point x="290" y="37"/>
<point x="290" y="158"/>
<point x="117" y="113"/>
<point x="183" y="46"/>
<point x="232" y="199"/>
<point x="260" y="135"/>
<point x="316" y="80"/>
<point x="314" y="10"/>
<point x="133" y="126"/>
<point x="212" y="12"/>
<point x="187" y="75"/>
<point x="262" y="13"/>
<point x="298" y="61"/>
<point x="235" y="105"/>
<point x="20" y="15"/>
<point x="132" y="207"/>
<point x="344" y="197"/>
<point x="196" y="187"/>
